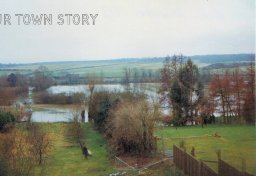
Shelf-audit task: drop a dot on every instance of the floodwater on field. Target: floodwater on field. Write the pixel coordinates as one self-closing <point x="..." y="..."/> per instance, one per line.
<point x="54" y="115"/>
<point x="59" y="114"/>
<point x="150" y="89"/>
<point x="64" y="114"/>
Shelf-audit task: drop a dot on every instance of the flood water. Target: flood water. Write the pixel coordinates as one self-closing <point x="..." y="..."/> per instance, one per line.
<point x="51" y="115"/>
<point x="64" y="114"/>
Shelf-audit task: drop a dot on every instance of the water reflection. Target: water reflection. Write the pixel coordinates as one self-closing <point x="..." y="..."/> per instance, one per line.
<point x="54" y="115"/>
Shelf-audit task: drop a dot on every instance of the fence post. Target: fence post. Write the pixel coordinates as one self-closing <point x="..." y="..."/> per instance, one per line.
<point x="193" y="151"/>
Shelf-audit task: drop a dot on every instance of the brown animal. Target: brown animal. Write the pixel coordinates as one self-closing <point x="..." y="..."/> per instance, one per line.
<point x="217" y="135"/>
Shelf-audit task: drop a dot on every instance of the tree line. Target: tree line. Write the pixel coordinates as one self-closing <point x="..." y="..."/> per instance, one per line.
<point x="232" y="94"/>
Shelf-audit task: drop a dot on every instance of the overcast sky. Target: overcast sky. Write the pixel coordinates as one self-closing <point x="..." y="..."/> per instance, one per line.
<point x="129" y="28"/>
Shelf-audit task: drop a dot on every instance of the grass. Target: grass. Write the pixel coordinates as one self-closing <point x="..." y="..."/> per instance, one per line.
<point x="235" y="143"/>
<point x="67" y="159"/>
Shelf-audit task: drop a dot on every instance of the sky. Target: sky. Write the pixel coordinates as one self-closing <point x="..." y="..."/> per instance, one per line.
<point x="128" y="29"/>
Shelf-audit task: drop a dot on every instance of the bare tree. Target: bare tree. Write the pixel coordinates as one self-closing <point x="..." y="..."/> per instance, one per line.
<point x="249" y="98"/>
<point x="75" y="132"/>
<point x="127" y="78"/>
<point x="40" y="140"/>
<point x="91" y="86"/>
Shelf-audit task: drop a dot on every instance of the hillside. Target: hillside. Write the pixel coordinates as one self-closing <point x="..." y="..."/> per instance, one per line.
<point x="114" y="68"/>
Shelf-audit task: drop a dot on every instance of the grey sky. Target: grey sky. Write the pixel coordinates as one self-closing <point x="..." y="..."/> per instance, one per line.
<point x="129" y="28"/>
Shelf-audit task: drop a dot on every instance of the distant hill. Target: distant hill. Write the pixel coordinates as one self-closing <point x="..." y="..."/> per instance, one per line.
<point x="114" y="67"/>
<point x="217" y="58"/>
<point x="223" y="58"/>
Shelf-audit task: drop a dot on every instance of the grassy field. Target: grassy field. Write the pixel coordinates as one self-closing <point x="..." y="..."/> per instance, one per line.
<point x="107" y="68"/>
<point x="235" y="143"/>
<point x="114" y="68"/>
<point x="67" y="159"/>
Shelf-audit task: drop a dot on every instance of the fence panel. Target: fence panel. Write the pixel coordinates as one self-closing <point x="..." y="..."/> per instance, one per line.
<point x="186" y="162"/>
<point x="193" y="167"/>
<point x="207" y="171"/>
<point x="225" y="170"/>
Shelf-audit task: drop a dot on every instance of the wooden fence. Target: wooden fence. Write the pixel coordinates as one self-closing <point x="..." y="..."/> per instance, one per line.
<point x="225" y="170"/>
<point x="193" y="167"/>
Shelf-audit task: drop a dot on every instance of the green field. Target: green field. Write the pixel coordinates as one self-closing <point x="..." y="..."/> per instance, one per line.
<point x="106" y="68"/>
<point x="235" y="143"/>
<point x="67" y="159"/>
<point x="114" y="69"/>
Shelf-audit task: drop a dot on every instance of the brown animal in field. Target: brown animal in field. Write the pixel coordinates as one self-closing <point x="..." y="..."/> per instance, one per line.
<point x="217" y="135"/>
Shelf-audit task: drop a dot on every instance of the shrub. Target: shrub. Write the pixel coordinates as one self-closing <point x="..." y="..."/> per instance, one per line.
<point x="102" y="102"/>
<point x="6" y="118"/>
<point x="131" y="128"/>
<point x="15" y="152"/>
<point x="99" y="108"/>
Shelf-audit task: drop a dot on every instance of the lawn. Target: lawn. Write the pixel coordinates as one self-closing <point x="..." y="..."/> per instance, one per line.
<point x="235" y="143"/>
<point x="67" y="158"/>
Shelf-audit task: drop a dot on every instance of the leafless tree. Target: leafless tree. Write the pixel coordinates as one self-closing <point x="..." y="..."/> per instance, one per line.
<point x="127" y="78"/>
<point x="41" y="143"/>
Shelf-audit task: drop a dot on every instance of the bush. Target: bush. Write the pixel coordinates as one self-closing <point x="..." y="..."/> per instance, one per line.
<point x="131" y="128"/>
<point x="6" y="118"/>
<point x="99" y="108"/>
<point x="102" y="102"/>
<point x="16" y="153"/>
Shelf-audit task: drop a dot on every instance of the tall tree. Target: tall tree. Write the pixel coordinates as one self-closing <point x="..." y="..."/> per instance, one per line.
<point x="221" y="90"/>
<point x="181" y="86"/>
<point x="237" y="89"/>
<point x="169" y="74"/>
<point x="234" y="94"/>
<point x="191" y="89"/>
<point x="249" y="98"/>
